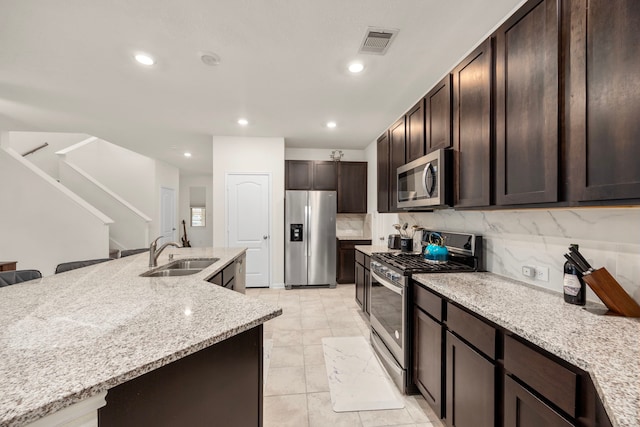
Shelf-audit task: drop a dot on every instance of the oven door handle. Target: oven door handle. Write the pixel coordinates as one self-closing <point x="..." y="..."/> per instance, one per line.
<point x="393" y="288"/>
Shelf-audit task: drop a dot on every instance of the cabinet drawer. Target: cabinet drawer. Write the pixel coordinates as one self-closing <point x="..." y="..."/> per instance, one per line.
<point x="429" y="302"/>
<point x="550" y="379"/>
<point x="363" y="259"/>
<point x="475" y="331"/>
<point x="229" y="272"/>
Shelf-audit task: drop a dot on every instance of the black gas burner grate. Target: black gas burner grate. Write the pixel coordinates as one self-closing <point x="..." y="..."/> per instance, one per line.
<point x="415" y="264"/>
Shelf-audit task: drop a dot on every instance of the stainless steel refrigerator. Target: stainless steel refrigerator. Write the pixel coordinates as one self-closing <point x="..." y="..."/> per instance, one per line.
<point x="310" y="240"/>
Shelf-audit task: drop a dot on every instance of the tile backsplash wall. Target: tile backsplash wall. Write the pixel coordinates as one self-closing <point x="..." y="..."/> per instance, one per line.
<point x="353" y="225"/>
<point x="608" y="237"/>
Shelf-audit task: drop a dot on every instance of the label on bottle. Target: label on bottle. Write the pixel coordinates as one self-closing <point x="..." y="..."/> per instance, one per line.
<point x="571" y="284"/>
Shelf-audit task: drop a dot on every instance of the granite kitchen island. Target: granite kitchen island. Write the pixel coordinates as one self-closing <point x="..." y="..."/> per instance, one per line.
<point x="68" y="339"/>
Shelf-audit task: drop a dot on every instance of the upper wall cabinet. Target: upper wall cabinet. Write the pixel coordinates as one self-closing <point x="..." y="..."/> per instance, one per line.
<point x="527" y="105"/>
<point x="310" y="175"/>
<point x="438" y="115"/>
<point x="415" y="132"/>
<point x="383" y="172"/>
<point x="397" y="139"/>
<point x="352" y="187"/>
<point x="603" y="131"/>
<point x="472" y="80"/>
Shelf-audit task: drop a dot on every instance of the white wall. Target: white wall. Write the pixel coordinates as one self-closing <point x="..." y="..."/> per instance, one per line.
<point x="198" y="236"/>
<point x="247" y="155"/>
<point x="322" y="154"/>
<point x="42" y="224"/>
<point x="45" y="158"/>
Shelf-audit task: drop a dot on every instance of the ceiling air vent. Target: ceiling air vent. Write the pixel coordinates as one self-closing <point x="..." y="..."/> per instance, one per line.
<point x="377" y="41"/>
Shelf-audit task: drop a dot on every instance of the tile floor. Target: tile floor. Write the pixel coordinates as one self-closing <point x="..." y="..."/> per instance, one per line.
<point x="296" y="387"/>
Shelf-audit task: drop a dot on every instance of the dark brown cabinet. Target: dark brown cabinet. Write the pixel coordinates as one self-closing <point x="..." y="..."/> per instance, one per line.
<point x="397" y="140"/>
<point x="352" y="187"/>
<point x="310" y="175"/>
<point x="523" y="409"/>
<point x="415" y="132"/>
<point x="603" y="84"/>
<point x="472" y="116"/>
<point x="383" y="173"/>
<point x="427" y="359"/>
<point x="527" y="143"/>
<point x="225" y="278"/>
<point x="470" y="386"/>
<point x="363" y="285"/>
<point x="346" y="259"/>
<point x="438" y="116"/>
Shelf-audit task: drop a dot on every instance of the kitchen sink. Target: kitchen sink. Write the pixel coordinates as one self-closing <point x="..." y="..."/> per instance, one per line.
<point x="182" y="264"/>
<point x="181" y="267"/>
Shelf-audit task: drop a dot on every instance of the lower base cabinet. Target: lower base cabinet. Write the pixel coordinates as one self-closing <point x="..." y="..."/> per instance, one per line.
<point x="523" y="409"/>
<point x="362" y="280"/>
<point x="220" y="385"/>
<point x="427" y="359"/>
<point x="470" y="386"/>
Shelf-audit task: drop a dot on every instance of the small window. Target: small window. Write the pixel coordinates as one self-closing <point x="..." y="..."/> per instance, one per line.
<point x="198" y="216"/>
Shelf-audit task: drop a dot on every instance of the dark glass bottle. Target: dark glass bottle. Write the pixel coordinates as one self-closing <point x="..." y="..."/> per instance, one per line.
<point x="573" y="286"/>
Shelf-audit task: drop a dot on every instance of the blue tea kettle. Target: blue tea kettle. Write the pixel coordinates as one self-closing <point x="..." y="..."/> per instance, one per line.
<point x="436" y="252"/>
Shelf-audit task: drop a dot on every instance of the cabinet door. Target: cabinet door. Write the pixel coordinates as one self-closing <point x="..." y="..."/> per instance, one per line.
<point x="415" y="132"/>
<point x="427" y="359"/>
<point x="470" y="386"/>
<point x="346" y="264"/>
<point x="359" y="284"/>
<point x="523" y="409"/>
<point x="397" y="159"/>
<point x="604" y="88"/>
<point x="527" y="105"/>
<point x="438" y="115"/>
<point x="352" y="187"/>
<point x="299" y="175"/>
<point x="472" y="128"/>
<point x="324" y="176"/>
<point x="383" y="173"/>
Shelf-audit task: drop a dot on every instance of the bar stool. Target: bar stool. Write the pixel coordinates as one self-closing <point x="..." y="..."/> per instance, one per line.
<point x="66" y="266"/>
<point x="18" y="276"/>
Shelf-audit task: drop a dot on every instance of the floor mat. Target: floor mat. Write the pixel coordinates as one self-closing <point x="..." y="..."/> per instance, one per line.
<point x="357" y="381"/>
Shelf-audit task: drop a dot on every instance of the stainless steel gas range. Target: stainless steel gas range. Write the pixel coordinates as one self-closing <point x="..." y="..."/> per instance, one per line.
<point x="391" y="297"/>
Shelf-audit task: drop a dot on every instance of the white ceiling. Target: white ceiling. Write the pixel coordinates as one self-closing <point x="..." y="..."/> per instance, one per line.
<point x="68" y="67"/>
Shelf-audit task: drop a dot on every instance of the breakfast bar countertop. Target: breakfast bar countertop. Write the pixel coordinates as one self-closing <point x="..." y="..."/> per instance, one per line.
<point x="70" y="336"/>
<point x="607" y="347"/>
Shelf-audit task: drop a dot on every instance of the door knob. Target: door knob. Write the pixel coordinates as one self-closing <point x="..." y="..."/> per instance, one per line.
<point x="265" y="237"/>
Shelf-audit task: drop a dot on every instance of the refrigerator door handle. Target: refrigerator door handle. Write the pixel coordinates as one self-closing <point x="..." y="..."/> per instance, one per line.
<point x="305" y="236"/>
<point x="308" y="230"/>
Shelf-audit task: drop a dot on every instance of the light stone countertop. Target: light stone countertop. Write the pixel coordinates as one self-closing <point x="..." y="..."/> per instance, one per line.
<point x="67" y="337"/>
<point x="607" y="347"/>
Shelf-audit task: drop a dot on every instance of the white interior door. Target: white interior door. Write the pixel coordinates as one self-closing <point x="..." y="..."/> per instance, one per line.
<point x="248" y="212"/>
<point x="167" y="215"/>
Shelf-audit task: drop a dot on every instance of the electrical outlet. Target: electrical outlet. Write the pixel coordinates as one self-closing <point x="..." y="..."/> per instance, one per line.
<point x="528" y="271"/>
<point x="542" y="273"/>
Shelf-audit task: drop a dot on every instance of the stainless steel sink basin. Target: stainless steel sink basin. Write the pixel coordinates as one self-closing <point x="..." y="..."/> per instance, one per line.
<point x="171" y="273"/>
<point x="181" y="267"/>
<point x="190" y="263"/>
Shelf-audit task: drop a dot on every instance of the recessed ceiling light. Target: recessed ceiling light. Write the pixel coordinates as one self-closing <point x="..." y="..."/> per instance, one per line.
<point x="145" y="59"/>
<point x="187" y="154"/>
<point x="356" y="67"/>
<point x="243" y="122"/>
<point x="209" y="58"/>
<point x="331" y="125"/>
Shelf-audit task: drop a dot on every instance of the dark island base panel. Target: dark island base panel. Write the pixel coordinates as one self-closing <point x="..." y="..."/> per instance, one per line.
<point x="218" y="386"/>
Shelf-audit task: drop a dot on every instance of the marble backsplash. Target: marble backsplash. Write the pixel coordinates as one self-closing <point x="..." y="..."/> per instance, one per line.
<point x="608" y="237"/>
<point x="353" y="225"/>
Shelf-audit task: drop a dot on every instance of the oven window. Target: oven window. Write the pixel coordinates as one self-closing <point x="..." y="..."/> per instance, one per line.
<point x="386" y="306"/>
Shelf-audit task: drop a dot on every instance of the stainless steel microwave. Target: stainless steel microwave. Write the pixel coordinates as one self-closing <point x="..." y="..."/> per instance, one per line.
<point x="426" y="182"/>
